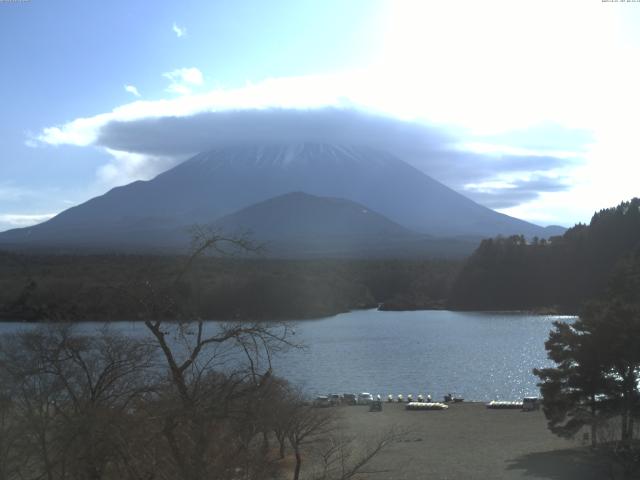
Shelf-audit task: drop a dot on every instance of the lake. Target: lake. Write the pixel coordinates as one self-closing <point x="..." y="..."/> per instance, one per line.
<point x="482" y="356"/>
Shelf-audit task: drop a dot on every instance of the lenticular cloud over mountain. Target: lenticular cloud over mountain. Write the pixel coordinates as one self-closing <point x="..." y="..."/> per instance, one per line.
<point x="203" y="131"/>
<point x="428" y="148"/>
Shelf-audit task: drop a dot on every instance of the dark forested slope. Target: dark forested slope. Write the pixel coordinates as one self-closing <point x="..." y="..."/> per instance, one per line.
<point x="512" y="273"/>
<point x="120" y="287"/>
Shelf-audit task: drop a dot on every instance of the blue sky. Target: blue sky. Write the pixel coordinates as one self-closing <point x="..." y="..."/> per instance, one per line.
<point x="534" y="103"/>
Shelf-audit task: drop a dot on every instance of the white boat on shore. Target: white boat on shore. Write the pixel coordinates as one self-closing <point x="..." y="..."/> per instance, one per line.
<point x="504" y="405"/>
<point x="426" y="406"/>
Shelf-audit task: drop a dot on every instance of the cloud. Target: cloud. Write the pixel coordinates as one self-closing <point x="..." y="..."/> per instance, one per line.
<point x="183" y="136"/>
<point x="429" y="148"/>
<point x="126" y="166"/>
<point x="183" y="79"/>
<point x="179" y="31"/>
<point x="500" y="195"/>
<point x="16" y="220"/>
<point x="17" y="204"/>
<point x="132" y="90"/>
<point x="147" y="137"/>
<point x="311" y="92"/>
<point x="547" y="136"/>
<point x="459" y="168"/>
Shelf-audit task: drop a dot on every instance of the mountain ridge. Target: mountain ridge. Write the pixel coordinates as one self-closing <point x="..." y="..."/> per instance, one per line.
<point x="299" y="213"/>
<point x="224" y="180"/>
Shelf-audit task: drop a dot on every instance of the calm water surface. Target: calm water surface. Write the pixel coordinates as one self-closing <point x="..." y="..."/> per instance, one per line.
<point x="482" y="356"/>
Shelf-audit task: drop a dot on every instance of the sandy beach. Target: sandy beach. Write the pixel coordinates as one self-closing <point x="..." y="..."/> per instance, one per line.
<point x="468" y="441"/>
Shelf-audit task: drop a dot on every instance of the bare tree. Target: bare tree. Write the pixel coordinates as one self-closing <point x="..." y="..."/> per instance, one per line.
<point x="10" y="431"/>
<point x="214" y="379"/>
<point x="73" y="395"/>
<point x="342" y="457"/>
<point x="306" y="423"/>
<point x="279" y="401"/>
<point x="216" y="374"/>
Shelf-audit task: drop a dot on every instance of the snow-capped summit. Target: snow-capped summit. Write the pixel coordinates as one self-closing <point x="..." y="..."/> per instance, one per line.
<point x="229" y="178"/>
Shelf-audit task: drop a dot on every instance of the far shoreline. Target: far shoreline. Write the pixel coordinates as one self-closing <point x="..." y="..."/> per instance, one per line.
<point x="536" y="312"/>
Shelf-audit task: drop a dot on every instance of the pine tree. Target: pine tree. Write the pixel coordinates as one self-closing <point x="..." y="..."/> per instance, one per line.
<point x="597" y="372"/>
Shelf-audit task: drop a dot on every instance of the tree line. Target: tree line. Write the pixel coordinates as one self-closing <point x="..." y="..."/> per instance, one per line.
<point x="96" y="287"/>
<point x="594" y="387"/>
<point x="559" y="274"/>
<point x="504" y="273"/>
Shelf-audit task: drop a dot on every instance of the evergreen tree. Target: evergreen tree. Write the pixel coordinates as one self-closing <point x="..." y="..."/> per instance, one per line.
<point x="597" y="372"/>
<point x="573" y="390"/>
<point x="562" y="273"/>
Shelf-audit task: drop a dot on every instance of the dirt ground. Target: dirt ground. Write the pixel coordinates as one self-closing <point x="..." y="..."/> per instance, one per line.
<point x="468" y="441"/>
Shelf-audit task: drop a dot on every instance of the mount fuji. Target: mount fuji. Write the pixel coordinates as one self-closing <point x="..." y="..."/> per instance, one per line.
<point x="215" y="186"/>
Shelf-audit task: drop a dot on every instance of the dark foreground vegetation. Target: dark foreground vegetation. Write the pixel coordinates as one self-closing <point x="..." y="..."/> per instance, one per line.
<point x="189" y="400"/>
<point x="106" y="287"/>
<point x="594" y="389"/>
<point x="203" y="405"/>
